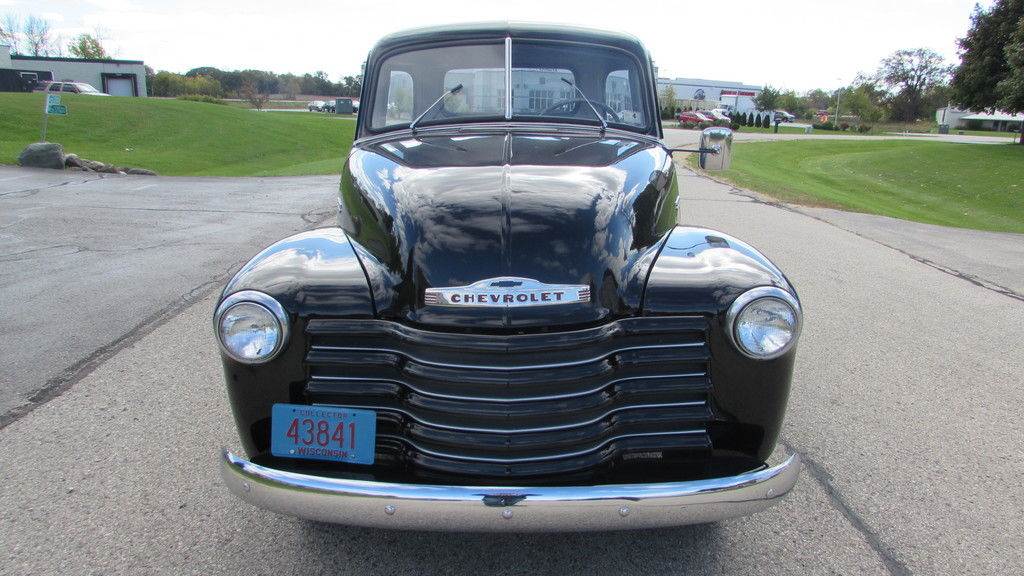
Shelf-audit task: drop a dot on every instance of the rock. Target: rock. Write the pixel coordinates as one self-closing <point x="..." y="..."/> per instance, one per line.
<point x="139" y="172"/>
<point x="107" y="168"/>
<point x="92" y="164"/>
<point x="42" y="155"/>
<point x="72" y="161"/>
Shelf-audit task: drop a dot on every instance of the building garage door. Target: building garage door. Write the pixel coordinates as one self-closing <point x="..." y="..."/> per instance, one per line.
<point x="121" y="86"/>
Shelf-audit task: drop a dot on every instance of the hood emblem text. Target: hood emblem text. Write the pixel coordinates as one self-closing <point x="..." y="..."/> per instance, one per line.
<point x="507" y="292"/>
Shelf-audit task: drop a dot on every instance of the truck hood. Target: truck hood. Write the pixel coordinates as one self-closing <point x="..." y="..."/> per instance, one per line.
<point x="452" y="209"/>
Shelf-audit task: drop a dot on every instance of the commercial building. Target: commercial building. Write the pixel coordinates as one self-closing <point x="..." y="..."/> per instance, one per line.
<point x="115" y="77"/>
<point x="701" y="94"/>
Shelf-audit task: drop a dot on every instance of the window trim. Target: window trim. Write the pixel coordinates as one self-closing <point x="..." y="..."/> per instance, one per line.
<point x="651" y="127"/>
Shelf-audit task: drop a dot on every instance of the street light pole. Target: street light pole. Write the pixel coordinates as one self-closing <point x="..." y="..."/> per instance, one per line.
<point x="839" y="96"/>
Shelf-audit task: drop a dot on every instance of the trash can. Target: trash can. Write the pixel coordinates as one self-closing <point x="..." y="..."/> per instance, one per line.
<point x="943" y="128"/>
<point x="343" y="106"/>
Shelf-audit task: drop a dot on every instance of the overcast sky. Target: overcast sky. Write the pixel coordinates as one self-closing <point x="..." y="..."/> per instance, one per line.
<point x="798" y="44"/>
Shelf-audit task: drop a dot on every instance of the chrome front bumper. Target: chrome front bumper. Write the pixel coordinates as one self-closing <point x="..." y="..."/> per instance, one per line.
<point x="509" y="509"/>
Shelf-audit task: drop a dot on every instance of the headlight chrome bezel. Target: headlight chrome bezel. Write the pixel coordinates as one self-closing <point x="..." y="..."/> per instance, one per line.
<point x="263" y="300"/>
<point x="749" y="297"/>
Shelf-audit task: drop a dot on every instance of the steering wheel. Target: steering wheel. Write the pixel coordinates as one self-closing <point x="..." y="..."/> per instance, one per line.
<point x="572" y="105"/>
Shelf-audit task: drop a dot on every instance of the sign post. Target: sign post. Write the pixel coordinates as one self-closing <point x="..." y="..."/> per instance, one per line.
<point x="52" y="105"/>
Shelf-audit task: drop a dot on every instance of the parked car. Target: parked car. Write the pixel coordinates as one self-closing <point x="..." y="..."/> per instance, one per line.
<point x="784" y="116"/>
<point x="506" y="329"/>
<point x="715" y="114"/>
<point x="692" y="116"/>
<point x="14" y="81"/>
<point x="69" y="87"/>
<point x="329" y="106"/>
<point x="315" y="105"/>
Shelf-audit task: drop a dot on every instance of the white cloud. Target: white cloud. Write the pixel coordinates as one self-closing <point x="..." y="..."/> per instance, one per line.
<point x="792" y="43"/>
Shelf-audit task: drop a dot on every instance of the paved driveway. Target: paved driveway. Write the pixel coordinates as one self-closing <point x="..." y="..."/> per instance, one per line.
<point x="906" y="406"/>
<point x="86" y="260"/>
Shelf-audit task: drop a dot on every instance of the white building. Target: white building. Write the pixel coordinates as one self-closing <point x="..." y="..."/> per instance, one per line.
<point x="115" y="77"/>
<point x="703" y="94"/>
<point x="998" y="120"/>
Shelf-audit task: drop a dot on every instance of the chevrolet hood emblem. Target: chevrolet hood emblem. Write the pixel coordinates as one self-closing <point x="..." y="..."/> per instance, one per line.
<point x="507" y="292"/>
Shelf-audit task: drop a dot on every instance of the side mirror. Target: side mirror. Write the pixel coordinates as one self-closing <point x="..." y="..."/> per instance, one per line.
<point x="716" y="148"/>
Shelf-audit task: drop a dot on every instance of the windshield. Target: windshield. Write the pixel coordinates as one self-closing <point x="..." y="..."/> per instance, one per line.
<point x="551" y="82"/>
<point x="408" y="83"/>
<point x="86" y="88"/>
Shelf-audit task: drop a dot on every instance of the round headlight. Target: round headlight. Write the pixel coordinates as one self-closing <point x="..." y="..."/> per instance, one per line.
<point x="764" y="322"/>
<point x="251" y="326"/>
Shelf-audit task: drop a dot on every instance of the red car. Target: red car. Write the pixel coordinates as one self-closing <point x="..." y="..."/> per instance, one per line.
<point x="692" y="116"/>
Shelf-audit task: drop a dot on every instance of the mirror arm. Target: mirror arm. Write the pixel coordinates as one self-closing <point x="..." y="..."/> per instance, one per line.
<point x="715" y="150"/>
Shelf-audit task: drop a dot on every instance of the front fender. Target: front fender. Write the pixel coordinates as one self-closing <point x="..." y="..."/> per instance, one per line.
<point x="701" y="272"/>
<point x="312" y="274"/>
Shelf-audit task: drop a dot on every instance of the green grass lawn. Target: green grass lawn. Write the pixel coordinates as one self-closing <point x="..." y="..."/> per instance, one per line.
<point x="963" y="185"/>
<point x="176" y="137"/>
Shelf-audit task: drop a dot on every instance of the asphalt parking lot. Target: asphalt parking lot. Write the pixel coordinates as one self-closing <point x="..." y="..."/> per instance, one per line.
<point x="906" y="402"/>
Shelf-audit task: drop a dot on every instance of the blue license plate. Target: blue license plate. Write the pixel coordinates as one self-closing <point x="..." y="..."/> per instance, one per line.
<point x="323" y="433"/>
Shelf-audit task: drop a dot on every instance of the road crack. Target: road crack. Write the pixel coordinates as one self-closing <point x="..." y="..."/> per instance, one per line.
<point x="824" y="479"/>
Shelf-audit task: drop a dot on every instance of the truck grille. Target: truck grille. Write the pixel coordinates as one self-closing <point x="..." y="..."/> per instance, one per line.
<point x="519" y="405"/>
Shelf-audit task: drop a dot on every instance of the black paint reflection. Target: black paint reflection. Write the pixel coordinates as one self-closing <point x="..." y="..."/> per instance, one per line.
<point x="453" y="209"/>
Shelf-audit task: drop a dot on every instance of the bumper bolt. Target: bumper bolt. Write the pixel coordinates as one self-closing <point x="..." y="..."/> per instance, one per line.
<point x="624" y="511"/>
<point x="770" y="493"/>
<point x="506" y="514"/>
<point x="389" y="509"/>
<point x="246" y="487"/>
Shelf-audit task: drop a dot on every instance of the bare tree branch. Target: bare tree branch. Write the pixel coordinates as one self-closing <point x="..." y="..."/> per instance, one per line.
<point x="10" y="32"/>
<point x="37" y="37"/>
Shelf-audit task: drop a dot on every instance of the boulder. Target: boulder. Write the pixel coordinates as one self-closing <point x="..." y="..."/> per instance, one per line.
<point x="72" y="161"/>
<point x="139" y="172"/>
<point x="42" y="155"/>
<point x="92" y="164"/>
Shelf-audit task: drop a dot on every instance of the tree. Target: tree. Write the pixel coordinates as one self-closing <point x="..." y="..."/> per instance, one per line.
<point x="907" y="75"/>
<point x="88" y="46"/>
<point x="667" y="101"/>
<point x="990" y="72"/>
<point x="10" y="32"/>
<point x="352" y="86"/>
<point x="818" y="99"/>
<point x="169" y="84"/>
<point x="1011" y="88"/>
<point x="791" y="102"/>
<point x="292" y="87"/>
<point x="251" y="92"/>
<point x="864" y="100"/>
<point x="37" y="38"/>
<point x="768" y="99"/>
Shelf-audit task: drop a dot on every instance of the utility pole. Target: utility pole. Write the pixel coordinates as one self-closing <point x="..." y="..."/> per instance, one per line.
<point x="839" y="96"/>
<point x="46" y="115"/>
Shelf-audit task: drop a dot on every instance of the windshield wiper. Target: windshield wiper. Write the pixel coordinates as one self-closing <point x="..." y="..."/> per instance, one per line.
<point x="604" y="123"/>
<point x="412" y="125"/>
